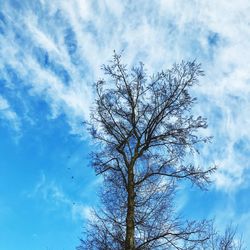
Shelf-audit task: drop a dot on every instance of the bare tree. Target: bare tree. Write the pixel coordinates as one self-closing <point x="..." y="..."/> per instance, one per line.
<point x="145" y="137"/>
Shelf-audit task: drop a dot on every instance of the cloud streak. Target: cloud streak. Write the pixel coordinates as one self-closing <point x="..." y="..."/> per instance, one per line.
<point x="8" y="114"/>
<point x="56" y="199"/>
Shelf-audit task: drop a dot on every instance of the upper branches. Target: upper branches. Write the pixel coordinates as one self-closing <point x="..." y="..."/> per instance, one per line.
<point x="137" y="117"/>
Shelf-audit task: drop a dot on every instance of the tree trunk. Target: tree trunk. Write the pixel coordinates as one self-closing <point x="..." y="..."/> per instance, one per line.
<point x="130" y="225"/>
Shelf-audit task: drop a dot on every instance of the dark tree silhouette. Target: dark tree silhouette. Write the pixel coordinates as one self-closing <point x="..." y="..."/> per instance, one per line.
<point x="145" y="137"/>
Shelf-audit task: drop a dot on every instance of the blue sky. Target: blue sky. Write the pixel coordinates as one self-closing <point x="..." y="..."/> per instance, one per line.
<point x="51" y="53"/>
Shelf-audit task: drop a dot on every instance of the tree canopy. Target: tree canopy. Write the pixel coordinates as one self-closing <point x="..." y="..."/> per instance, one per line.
<point x="146" y="136"/>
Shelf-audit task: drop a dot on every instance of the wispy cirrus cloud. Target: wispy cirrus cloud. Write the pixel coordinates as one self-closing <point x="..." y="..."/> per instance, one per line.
<point x="55" y="48"/>
<point x="54" y="198"/>
<point x="8" y="114"/>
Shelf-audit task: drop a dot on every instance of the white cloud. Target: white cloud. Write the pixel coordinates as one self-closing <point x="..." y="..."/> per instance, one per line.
<point x="8" y="114"/>
<point x="57" y="199"/>
<point x="81" y="211"/>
